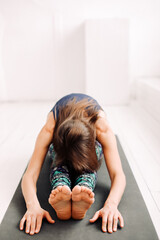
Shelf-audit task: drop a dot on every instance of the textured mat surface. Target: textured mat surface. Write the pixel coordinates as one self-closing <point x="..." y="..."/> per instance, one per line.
<point x="138" y="224"/>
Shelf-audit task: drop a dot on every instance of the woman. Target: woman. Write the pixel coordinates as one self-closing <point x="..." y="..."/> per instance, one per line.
<point x="76" y="132"/>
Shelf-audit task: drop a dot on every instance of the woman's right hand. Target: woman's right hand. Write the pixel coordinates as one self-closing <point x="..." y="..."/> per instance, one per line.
<point x="33" y="218"/>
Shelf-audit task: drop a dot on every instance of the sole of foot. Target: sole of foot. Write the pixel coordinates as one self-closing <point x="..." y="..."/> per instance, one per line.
<point x="60" y="200"/>
<point x="82" y="199"/>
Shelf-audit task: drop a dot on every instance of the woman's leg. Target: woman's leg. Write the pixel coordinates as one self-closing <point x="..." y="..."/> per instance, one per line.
<point x="82" y="196"/>
<point x="82" y="193"/>
<point x="87" y="179"/>
<point x="59" y="176"/>
<point x="60" y="197"/>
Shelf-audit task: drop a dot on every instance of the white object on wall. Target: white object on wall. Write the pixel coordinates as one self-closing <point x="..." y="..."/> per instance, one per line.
<point x="69" y="55"/>
<point x="106" y="45"/>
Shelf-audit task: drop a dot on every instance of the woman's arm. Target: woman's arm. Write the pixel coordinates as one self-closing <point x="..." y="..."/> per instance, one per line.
<point x="35" y="213"/>
<point x="109" y="212"/>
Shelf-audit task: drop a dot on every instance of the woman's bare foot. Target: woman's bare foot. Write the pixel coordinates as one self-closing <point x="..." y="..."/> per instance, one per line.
<point x="82" y="199"/>
<point x="60" y="200"/>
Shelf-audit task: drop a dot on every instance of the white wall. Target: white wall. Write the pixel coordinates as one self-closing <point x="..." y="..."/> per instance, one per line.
<point x="42" y="44"/>
<point x="27" y="50"/>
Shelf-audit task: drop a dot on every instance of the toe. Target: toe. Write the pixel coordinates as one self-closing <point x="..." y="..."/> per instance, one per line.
<point x="76" y="190"/>
<point x="59" y="188"/>
<point x="51" y="195"/>
<point x="91" y="194"/>
<point x="56" y="191"/>
<point x="52" y="192"/>
<point x="66" y="190"/>
<point x="89" y="191"/>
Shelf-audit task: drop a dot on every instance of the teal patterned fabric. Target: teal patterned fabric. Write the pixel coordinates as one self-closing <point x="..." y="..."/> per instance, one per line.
<point x="59" y="176"/>
<point x="87" y="180"/>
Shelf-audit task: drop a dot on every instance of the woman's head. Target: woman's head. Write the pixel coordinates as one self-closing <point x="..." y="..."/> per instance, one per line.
<point x="74" y="143"/>
<point x="74" y="137"/>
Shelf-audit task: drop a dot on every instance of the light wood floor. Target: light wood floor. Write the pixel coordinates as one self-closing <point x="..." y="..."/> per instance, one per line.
<point x="138" y="132"/>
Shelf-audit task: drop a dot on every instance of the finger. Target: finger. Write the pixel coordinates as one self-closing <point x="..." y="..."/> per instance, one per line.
<point x="21" y="225"/>
<point x="48" y="217"/>
<point x="115" y="221"/>
<point x="110" y="222"/>
<point x="33" y="225"/>
<point x="95" y="217"/>
<point x="28" y="224"/>
<point x="104" y="223"/>
<point x="121" y="220"/>
<point x="39" y="223"/>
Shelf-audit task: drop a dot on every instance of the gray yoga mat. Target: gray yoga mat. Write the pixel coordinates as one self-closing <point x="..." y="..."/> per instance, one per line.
<point x="138" y="224"/>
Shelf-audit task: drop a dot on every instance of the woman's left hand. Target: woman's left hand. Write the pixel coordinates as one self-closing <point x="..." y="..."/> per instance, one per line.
<point x="110" y="215"/>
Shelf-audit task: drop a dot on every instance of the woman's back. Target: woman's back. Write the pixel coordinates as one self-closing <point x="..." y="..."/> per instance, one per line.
<point x="66" y="99"/>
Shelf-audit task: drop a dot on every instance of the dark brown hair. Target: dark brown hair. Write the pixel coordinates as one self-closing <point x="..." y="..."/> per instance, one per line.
<point x="75" y="134"/>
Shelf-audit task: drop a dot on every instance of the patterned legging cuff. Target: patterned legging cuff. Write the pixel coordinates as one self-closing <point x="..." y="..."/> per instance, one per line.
<point x="59" y="176"/>
<point x="87" y="180"/>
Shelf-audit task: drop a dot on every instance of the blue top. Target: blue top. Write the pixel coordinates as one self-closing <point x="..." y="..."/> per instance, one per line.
<point x="78" y="96"/>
